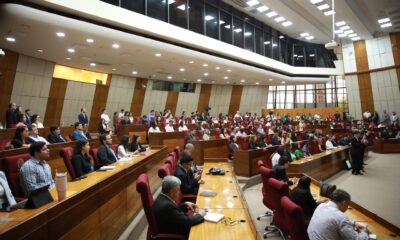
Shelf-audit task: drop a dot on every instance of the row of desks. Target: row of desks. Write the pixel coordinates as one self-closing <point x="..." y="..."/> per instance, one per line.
<point x="97" y="207"/>
<point x="386" y="145"/>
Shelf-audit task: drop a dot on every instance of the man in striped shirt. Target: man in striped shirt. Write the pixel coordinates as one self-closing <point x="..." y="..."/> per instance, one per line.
<point x="35" y="172"/>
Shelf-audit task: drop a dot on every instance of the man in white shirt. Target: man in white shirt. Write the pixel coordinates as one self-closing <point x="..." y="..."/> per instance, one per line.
<point x="276" y="156"/>
<point x="121" y="114"/>
<point x="330" y="223"/>
<point x="169" y="127"/>
<point x="329" y="144"/>
<point x="105" y="116"/>
<point x="34" y="134"/>
<point x="367" y="115"/>
<point x="394" y="118"/>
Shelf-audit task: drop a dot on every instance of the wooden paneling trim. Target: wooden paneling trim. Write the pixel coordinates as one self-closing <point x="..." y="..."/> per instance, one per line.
<point x="374" y="70"/>
<point x="138" y="96"/>
<point x="395" y="40"/>
<point x="204" y="98"/>
<point x="236" y="97"/>
<point x="172" y="101"/>
<point x="99" y="104"/>
<point x="55" y="102"/>
<point x="366" y="96"/>
<point x="360" y="51"/>
<point x="8" y="68"/>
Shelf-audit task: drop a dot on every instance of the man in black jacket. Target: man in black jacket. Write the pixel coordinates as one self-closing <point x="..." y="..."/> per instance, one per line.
<point x="170" y="216"/>
<point x="106" y="154"/>
<point x="189" y="181"/>
<point x="83" y="118"/>
<point x="55" y="135"/>
<point x="357" y="152"/>
<point x="11" y="115"/>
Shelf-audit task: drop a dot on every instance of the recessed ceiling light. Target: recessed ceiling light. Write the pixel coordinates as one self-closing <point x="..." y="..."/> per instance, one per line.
<point x="262" y="8"/>
<point x="93" y="64"/>
<point x="238" y="30"/>
<point x="114" y="69"/>
<point x="89" y="40"/>
<point x="199" y="80"/>
<point x="345" y="28"/>
<point x="267" y="42"/>
<point x="348" y="32"/>
<point x="229" y="70"/>
<point x="323" y="6"/>
<point x="281" y="37"/>
<point x="115" y="45"/>
<point x="342" y="35"/>
<point x="182" y="69"/>
<point x="205" y="65"/>
<point x="71" y="50"/>
<point x="205" y="74"/>
<point x="181" y="7"/>
<point x="310" y="37"/>
<point x="242" y="80"/>
<point x="385" y="25"/>
<point x="157" y="54"/>
<point x="287" y="23"/>
<point x="218" y="68"/>
<point x="341" y="23"/>
<point x="280" y="19"/>
<point x="169" y="77"/>
<point x="312" y="55"/>
<point x="315" y="1"/>
<point x="226" y="77"/>
<point x="271" y="14"/>
<point x="270" y="79"/>
<point x="257" y="83"/>
<point x="283" y="82"/>
<point x="383" y="20"/>
<point x="40" y="50"/>
<point x="355" y="38"/>
<point x="68" y="58"/>
<point x="328" y="13"/>
<point x="208" y="17"/>
<point x="252" y="2"/>
<point x="10" y="39"/>
<point x="170" y="1"/>
<point x="134" y="72"/>
<point x="247" y="34"/>
<point x="191" y="62"/>
<point x="274" y="45"/>
<point x="305" y="34"/>
<point x="352" y="35"/>
<point x="60" y="34"/>
<point x="338" y="31"/>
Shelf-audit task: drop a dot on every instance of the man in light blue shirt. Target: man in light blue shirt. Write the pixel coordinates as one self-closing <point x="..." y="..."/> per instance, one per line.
<point x="34" y="135"/>
<point x="78" y="133"/>
<point x="36" y="173"/>
<point x="150" y="116"/>
<point x="330" y="223"/>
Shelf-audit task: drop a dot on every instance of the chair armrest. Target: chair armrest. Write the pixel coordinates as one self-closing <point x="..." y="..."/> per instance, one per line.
<point x="19" y="199"/>
<point x="169" y="236"/>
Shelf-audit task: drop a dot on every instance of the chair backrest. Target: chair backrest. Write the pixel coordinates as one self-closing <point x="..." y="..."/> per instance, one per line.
<point x="178" y="151"/>
<point x="268" y="160"/>
<point x="143" y="187"/>
<point x="294" y="218"/>
<point x="314" y="149"/>
<point x="173" y="155"/>
<point x="66" y="154"/>
<point x="4" y="143"/>
<point x="260" y="163"/>
<point x="165" y="170"/>
<point x="266" y="173"/>
<point x="93" y="153"/>
<point x="276" y="190"/>
<point x="12" y="165"/>
<point x="170" y="160"/>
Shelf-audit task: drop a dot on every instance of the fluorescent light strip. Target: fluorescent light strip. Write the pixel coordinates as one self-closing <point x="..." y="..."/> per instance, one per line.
<point x="315" y="1"/>
<point x="355" y="38"/>
<point x="338" y="31"/>
<point x="345" y="28"/>
<point x="310" y="37"/>
<point x="280" y="19"/>
<point x="348" y="32"/>
<point x="271" y="14"/>
<point x="328" y="13"/>
<point x="341" y="23"/>
<point x="385" y="25"/>
<point x="323" y="7"/>
<point x="252" y="2"/>
<point x="353" y="35"/>
<point x="383" y="20"/>
<point x="304" y="34"/>
<point x="287" y="23"/>
<point x="262" y="8"/>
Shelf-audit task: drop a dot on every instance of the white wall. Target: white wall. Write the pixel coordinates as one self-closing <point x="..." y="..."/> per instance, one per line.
<point x="353" y="96"/>
<point x="349" y="58"/>
<point x="379" y="51"/>
<point x="78" y="95"/>
<point x="153" y="99"/>
<point x="220" y="99"/>
<point x="385" y="88"/>
<point x="254" y="98"/>
<point x="188" y="101"/>
<point x="32" y="84"/>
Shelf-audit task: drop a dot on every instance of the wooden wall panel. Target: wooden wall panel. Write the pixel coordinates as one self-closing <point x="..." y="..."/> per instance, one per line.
<point x="395" y="40"/>
<point x="8" y="67"/>
<point x="99" y="104"/>
<point x="55" y="102"/>
<point x="138" y="96"/>
<point x="236" y="96"/>
<point x="204" y="98"/>
<point x="172" y="101"/>
<point x="364" y="79"/>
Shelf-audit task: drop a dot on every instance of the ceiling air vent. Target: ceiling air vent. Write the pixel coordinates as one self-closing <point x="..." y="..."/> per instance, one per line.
<point x="241" y="3"/>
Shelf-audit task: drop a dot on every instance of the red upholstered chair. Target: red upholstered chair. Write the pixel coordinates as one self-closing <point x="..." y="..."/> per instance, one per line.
<point x="178" y="151"/>
<point x="93" y="153"/>
<point x="275" y="191"/>
<point x="260" y="163"/>
<point x="173" y="155"/>
<point x="12" y="164"/>
<point x="4" y="143"/>
<point x="314" y="149"/>
<point x="143" y="187"/>
<point x="266" y="173"/>
<point x="170" y="160"/>
<point x="200" y="134"/>
<point x="165" y="170"/>
<point x="294" y="218"/>
<point x="217" y="133"/>
<point x="13" y="126"/>
<point x="66" y="153"/>
<point x="267" y="161"/>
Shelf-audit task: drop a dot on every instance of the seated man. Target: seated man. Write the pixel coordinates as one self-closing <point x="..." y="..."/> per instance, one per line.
<point x="170" y="127"/>
<point x="106" y="154"/>
<point x="329" y="220"/>
<point x="36" y="173"/>
<point x="78" y="133"/>
<point x="55" y="135"/>
<point x="329" y="143"/>
<point x="171" y="217"/>
<point x="190" y="181"/>
<point x="34" y="135"/>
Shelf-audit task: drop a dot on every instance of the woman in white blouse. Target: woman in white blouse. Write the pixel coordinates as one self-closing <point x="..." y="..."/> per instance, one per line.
<point x="182" y="127"/>
<point x="153" y="127"/>
<point x="123" y="147"/>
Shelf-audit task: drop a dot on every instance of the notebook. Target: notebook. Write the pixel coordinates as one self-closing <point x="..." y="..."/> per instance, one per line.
<point x="208" y="194"/>
<point x="104" y="168"/>
<point x="213" y="217"/>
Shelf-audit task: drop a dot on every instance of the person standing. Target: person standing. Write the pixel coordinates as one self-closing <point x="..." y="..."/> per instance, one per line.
<point x="357" y="152"/>
<point x="385" y="118"/>
<point x="83" y="118"/>
<point x="11" y="115"/>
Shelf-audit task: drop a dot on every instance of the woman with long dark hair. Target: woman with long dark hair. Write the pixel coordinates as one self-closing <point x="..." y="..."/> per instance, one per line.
<point x="123" y="147"/>
<point x="81" y="160"/>
<point x="135" y="145"/>
<point x="20" y="139"/>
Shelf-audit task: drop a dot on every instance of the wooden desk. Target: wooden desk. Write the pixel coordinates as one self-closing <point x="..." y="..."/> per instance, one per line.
<point x="386" y="145"/>
<point x="132" y="129"/>
<point x="245" y="163"/>
<point x="216" y="150"/>
<point x="169" y="139"/>
<point x="8" y="134"/>
<point x="229" y="201"/>
<point x="323" y="165"/>
<point x="97" y="207"/>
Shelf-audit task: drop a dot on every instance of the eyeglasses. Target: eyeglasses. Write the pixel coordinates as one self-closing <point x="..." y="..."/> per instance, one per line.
<point x="229" y="222"/>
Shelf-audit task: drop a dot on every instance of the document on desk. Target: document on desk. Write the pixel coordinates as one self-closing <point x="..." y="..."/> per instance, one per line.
<point x="213" y="217"/>
<point x="208" y="193"/>
<point x="125" y="159"/>
<point x="104" y="168"/>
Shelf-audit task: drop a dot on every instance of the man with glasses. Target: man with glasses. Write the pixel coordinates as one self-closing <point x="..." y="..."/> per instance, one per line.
<point x="36" y="173"/>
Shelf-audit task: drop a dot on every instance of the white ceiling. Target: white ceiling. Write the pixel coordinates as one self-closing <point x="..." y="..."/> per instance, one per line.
<point x="36" y="30"/>
<point x="360" y="15"/>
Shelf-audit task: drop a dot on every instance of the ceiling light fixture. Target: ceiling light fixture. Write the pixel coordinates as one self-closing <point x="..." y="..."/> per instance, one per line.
<point x="247" y="34"/>
<point x="208" y="18"/>
<point x="238" y="30"/>
<point x="348" y="32"/>
<point x="191" y="62"/>
<point x="315" y="1"/>
<point x="352" y="35"/>
<point x="383" y="20"/>
<point x="115" y="45"/>
<point x="252" y="2"/>
<point x="182" y="69"/>
<point x="338" y="31"/>
<point x="328" y="13"/>
<point x="262" y="8"/>
<point x="89" y="40"/>
<point x="205" y="65"/>
<point x="229" y="70"/>
<point x="40" y="50"/>
<point x="267" y="42"/>
<point x="345" y="28"/>
<point x="158" y="54"/>
<point x="385" y="25"/>
<point x="205" y="74"/>
<point x="270" y="79"/>
<point x="287" y="23"/>
<point x="271" y="14"/>
<point x="134" y="72"/>
<point x="114" y="69"/>
<point x="10" y="39"/>
<point x="218" y="68"/>
<point x="71" y="50"/>
<point x="310" y="37"/>
<point x="323" y="7"/>
<point x="93" y="64"/>
<point x="169" y="77"/>
<point x="257" y="83"/>
<point x="283" y="82"/>
<point x="68" y="58"/>
<point x="281" y="37"/>
<point x="226" y="77"/>
<point x="305" y="34"/>
<point x="342" y="35"/>
<point x="280" y="19"/>
<point x="242" y="80"/>
<point x="181" y="7"/>
<point x="60" y="34"/>
<point x="341" y="23"/>
<point x="199" y="80"/>
<point x="355" y="38"/>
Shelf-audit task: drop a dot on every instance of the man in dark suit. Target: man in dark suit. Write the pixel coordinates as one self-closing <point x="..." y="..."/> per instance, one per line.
<point x="11" y="115"/>
<point x="357" y="152"/>
<point x="83" y="117"/>
<point x="170" y="217"/>
<point x="28" y="117"/>
<point x="190" y="181"/>
<point x="55" y="135"/>
<point x="106" y="154"/>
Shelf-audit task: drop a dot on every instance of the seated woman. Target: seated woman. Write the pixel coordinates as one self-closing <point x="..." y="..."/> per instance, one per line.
<point x="21" y="139"/>
<point x="306" y="149"/>
<point x="123" y="147"/>
<point x="263" y="142"/>
<point x="276" y="140"/>
<point x="182" y="127"/>
<point x="280" y="170"/>
<point x="81" y="160"/>
<point x="252" y="142"/>
<point x="301" y="195"/>
<point x="224" y="133"/>
<point x="153" y="127"/>
<point x="206" y="135"/>
<point x="297" y="152"/>
<point x="21" y="120"/>
<point x="36" y="120"/>
<point x="135" y="145"/>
